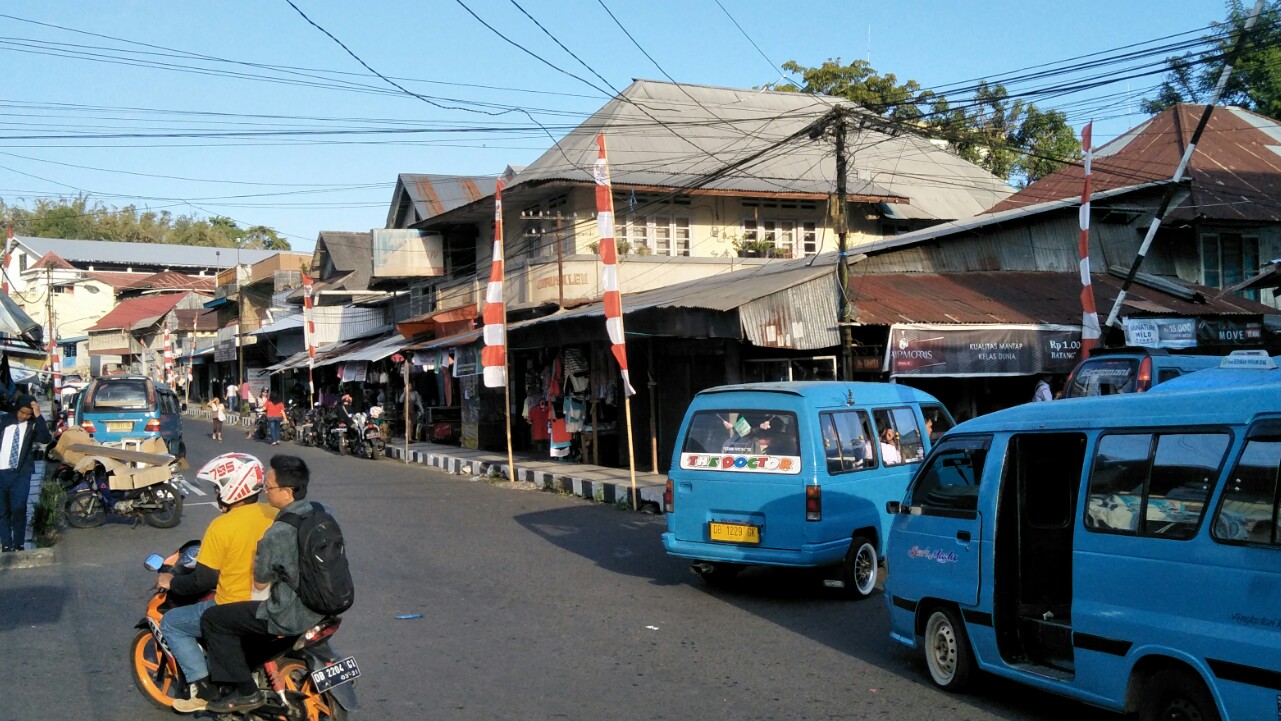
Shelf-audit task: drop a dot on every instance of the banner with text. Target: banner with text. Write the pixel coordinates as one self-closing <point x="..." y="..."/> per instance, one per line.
<point x="1192" y="332"/>
<point x="400" y="253"/>
<point x="981" y="350"/>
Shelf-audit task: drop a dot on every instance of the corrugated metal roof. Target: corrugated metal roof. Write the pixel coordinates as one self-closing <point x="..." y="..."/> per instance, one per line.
<point x="144" y="254"/>
<point x="724" y="292"/>
<point x="52" y="261"/>
<point x="1015" y="297"/>
<point x="350" y="253"/>
<point x="1235" y="171"/>
<point x="173" y="280"/>
<point x="138" y="312"/>
<point x="282" y="322"/>
<point x="713" y="127"/>
<point x="116" y="279"/>
<point x="432" y="195"/>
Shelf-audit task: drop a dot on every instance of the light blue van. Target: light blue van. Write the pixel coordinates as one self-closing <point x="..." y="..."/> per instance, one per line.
<point x="795" y="474"/>
<point x="114" y="409"/>
<point x="1121" y="551"/>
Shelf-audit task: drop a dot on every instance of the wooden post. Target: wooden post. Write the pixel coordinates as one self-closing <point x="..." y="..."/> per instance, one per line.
<point x="408" y="429"/>
<point x="653" y="408"/>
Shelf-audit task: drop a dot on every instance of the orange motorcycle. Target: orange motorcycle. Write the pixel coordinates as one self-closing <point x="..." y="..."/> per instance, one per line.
<point x="301" y="676"/>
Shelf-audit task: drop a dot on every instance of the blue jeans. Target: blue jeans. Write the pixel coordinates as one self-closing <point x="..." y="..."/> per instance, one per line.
<point x="15" y="488"/>
<point x="181" y="627"/>
<point x="273" y="425"/>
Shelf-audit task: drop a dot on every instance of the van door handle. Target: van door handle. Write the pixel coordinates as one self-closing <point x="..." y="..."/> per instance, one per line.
<point x="963" y="536"/>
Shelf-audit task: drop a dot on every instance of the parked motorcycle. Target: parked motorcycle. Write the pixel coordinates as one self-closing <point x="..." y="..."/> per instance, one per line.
<point x="302" y="677"/>
<point x="369" y="442"/>
<point x="258" y="431"/>
<point x="90" y="498"/>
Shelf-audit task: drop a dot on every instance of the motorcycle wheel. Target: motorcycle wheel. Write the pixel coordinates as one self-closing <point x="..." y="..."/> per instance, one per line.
<point x="155" y="674"/>
<point x="86" y="510"/>
<point x="169" y="498"/>
<point x="343" y="449"/>
<point x="318" y="707"/>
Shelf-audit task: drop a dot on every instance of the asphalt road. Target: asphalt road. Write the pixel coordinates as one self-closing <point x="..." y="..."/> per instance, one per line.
<point x="534" y="606"/>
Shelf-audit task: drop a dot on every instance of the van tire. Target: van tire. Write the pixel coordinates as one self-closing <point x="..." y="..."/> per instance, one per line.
<point x="947" y="650"/>
<point x="1176" y="693"/>
<point x="860" y="569"/>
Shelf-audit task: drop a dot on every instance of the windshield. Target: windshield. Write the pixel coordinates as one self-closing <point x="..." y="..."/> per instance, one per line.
<point x="119" y="395"/>
<point x="1103" y="377"/>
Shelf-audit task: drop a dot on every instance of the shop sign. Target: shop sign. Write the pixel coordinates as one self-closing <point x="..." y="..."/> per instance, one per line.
<point x="1161" y="332"/>
<point x="981" y="350"/>
<point x="467" y="361"/>
<point x="1225" y="331"/>
<point x="354" y="371"/>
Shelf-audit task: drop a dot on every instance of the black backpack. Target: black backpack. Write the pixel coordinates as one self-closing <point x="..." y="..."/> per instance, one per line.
<point x="324" y="581"/>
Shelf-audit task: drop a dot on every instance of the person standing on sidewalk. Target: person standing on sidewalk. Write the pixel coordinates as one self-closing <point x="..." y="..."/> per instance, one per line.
<point x="246" y="393"/>
<point x="224" y="566"/>
<point x="233" y="396"/>
<point x="275" y="417"/>
<point x="19" y="430"/>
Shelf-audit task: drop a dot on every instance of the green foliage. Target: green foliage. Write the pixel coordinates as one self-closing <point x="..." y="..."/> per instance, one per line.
<point x="1256" y="79"/>
<point x="1012" y="139"/>
<point x="49" y="518"/>
<point x="81" y="218"/>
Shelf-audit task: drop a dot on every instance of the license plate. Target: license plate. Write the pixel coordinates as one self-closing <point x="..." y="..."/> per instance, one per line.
<point x="120" y="426"/>
<point x="335" y="674"/>
<point x="734" y="532"/>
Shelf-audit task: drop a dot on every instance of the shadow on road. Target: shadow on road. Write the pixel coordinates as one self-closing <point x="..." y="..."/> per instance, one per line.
<point x="31" y="606"/>
<point x="617" y="541"/>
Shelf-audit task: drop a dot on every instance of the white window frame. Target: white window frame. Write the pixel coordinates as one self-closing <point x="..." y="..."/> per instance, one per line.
<point x="1247" y="269"/>
<point x="798" y="237"/>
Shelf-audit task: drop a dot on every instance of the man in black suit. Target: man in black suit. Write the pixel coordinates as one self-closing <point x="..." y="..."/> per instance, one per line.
<point x="19" y="431"/>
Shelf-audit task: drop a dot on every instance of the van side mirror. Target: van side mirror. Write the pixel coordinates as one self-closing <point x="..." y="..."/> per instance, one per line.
<point x="893" y="507"/>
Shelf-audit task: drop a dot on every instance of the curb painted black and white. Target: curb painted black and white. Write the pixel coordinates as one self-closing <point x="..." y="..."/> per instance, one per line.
<point x="650" y="497"/>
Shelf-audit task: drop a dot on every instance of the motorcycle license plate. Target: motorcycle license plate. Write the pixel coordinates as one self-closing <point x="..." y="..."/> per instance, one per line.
<point x="335" y="674"/>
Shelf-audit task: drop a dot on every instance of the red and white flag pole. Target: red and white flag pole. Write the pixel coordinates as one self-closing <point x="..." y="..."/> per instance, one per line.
<point x="613" y="296"/>
<point x="309" y="331"/>
<point x="1089" y="313"/>
<point x="493" y="357"/>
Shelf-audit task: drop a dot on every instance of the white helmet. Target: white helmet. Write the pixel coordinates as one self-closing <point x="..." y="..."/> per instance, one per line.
<point x="237" y="476"/>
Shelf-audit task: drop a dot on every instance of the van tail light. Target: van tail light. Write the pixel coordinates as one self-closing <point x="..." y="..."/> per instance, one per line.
<point x="669" y="498"/>
<point x="813" y="503"/>
<point x="88" y="427"/>
<point x="1145" y="375"/>
<point x="153" y="426"/>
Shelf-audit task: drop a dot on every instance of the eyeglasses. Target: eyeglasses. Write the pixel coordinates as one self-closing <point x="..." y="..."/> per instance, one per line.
<point x="272" y="488"/>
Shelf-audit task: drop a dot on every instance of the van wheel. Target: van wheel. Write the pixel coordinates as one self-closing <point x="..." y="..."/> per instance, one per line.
<point x="860" y="568"/>
<point x="947" y="650"/>
<point x="1177" y="695"/>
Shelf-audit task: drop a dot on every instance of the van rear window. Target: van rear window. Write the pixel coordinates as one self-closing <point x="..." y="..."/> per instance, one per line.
<point x="748" y="441"/>
<point x="1103" y="377"/>
<point x="119" y="395"/>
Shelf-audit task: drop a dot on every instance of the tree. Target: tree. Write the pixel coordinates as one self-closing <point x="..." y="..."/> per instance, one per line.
<point x="1011" y="139"/>
<point x="1256" y="78"/>
<point x="80" y="219"/>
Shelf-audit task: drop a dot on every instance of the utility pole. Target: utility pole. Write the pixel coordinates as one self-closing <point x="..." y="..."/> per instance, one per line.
<point x="842" y="266"/>
<point x="53" y="345"/>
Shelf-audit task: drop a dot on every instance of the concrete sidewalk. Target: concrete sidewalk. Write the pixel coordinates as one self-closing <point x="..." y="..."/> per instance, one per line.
<point x="595" y="483"/>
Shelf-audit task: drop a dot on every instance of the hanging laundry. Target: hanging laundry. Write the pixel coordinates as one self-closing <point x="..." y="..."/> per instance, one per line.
<point x="575" y="415"/>
<point x="561" y="439"/>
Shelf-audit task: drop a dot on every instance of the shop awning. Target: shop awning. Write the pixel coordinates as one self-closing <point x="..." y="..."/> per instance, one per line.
<point x="291" y="321"/>
<point x="377" y="351"/>
<point x="439" y="322"/>
<point x="341" y="353"/>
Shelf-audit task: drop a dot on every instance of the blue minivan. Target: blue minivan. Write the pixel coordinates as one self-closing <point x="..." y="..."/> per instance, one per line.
<point x="795" y="474"/>
<point x="114" y="409"/>
<point x="1122" y="551"/>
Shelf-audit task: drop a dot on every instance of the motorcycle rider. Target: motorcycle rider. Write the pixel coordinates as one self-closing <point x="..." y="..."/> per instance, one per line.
<point x="224" y="566"/>
<point x="226" y="628"/>
<point x="345" y="412"/>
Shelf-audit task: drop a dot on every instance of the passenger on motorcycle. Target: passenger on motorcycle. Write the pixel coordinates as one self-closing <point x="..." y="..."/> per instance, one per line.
<point x="282" y="614"/>
<point x="224" y="566"/>
<point x="344" y="412"/>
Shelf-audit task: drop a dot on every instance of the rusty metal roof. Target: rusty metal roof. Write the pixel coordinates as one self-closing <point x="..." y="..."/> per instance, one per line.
<point x="1235" y="171"/>
<point x="432" y="195"/>
<point x="1018" y="297"/>
<point x="138" y="312"/>
<point x="173" y="280"/>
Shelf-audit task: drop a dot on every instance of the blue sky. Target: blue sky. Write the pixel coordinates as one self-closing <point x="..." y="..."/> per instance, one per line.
<point x="302" y="184"/>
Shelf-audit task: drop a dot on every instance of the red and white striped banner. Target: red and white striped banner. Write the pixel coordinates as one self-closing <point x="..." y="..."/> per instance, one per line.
<point x="609" y="263"/>
<point x="168" y="358"/>
<point x="1089" y="314"/>
<point x="309" y="331"/>
<point x="493" y="357"/>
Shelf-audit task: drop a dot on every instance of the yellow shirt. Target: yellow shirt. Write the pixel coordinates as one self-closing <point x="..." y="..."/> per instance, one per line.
<point x="229" y="546"/>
